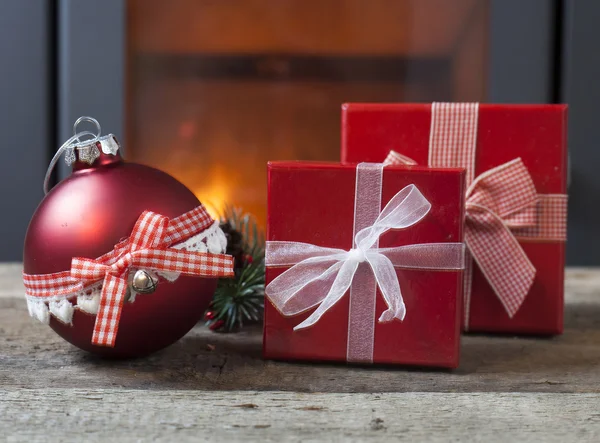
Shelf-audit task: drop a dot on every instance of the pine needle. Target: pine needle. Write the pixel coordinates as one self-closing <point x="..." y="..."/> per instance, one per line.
<point x="240" y="300"/>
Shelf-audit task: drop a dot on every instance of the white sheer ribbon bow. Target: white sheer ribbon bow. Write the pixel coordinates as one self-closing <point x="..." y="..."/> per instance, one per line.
<point x="320" y="276"/>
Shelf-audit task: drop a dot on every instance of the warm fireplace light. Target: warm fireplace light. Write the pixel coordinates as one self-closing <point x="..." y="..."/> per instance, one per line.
<point x="212" y="108"/>
<point x="217" y="191"/>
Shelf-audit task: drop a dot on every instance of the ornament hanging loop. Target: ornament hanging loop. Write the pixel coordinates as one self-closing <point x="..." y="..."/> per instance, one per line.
<point x="91" y="120"/>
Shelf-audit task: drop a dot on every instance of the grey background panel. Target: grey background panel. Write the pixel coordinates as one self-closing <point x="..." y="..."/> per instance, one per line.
<point x="89" y="55"/>
<point x="581" y="89"/>
<point x="522" y="51"/>
<point x="24" y="125"/>
<point x="91" y="69"/>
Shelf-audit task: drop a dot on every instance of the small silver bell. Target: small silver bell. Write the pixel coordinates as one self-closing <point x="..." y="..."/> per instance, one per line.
<point x="143" y="282"/>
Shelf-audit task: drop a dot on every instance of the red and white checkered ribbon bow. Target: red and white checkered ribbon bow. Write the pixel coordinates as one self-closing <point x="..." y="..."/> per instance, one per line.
<point x="497" y="201"/>
<point x="501" y="205"/>
<point x="148" y="247"/>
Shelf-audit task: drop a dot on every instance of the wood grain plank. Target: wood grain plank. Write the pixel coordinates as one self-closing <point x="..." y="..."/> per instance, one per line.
<point x="11" y="284"/>
<point x="526" y="388"/>
<point x="126" y="415"/>
<point x="32" y="356"/>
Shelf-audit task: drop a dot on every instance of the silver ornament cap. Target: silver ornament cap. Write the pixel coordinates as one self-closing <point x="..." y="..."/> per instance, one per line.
<point x="88" y="153"/>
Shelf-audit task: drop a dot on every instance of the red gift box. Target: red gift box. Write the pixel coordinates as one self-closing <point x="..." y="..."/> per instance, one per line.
<point x="481" y="138"/>
<point x="314" y="203"/>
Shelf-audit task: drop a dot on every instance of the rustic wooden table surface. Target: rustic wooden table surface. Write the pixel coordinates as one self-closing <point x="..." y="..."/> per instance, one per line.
<point x="216" y="387"/>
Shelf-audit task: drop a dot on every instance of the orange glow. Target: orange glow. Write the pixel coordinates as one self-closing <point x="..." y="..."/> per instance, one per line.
<point x="217" y="192"/>
<point x="215" y="130"/>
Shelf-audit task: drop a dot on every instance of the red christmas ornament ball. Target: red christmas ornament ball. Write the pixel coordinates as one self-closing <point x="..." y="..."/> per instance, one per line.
<point x="86" y="215"/>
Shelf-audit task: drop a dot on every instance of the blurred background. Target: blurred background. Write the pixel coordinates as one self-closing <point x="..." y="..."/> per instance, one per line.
<point x="209" y="90"/>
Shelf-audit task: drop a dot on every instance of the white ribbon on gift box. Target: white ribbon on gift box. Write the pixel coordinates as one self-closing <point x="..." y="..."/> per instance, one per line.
<point x="320" y="276"/>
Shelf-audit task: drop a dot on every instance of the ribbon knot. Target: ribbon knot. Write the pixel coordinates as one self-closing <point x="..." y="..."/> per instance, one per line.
<point x="121" y="266"/>
<point x="357" y="255"/>
<point x="148" y="247"/>
<point x="148" y="235"/>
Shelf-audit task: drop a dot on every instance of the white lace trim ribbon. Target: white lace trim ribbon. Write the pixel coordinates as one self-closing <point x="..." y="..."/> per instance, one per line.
<point x="211" y="240"/>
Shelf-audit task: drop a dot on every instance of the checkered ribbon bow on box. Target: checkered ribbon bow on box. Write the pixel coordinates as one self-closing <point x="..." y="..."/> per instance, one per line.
<point x="501" y="205"/>
<point x="148" y="247"/>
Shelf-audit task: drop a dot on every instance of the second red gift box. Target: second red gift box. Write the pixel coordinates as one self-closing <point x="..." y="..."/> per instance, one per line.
<point x="515" y="229"/>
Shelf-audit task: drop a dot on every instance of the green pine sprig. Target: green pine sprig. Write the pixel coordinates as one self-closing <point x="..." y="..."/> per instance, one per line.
<point x="240" y="299"/>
